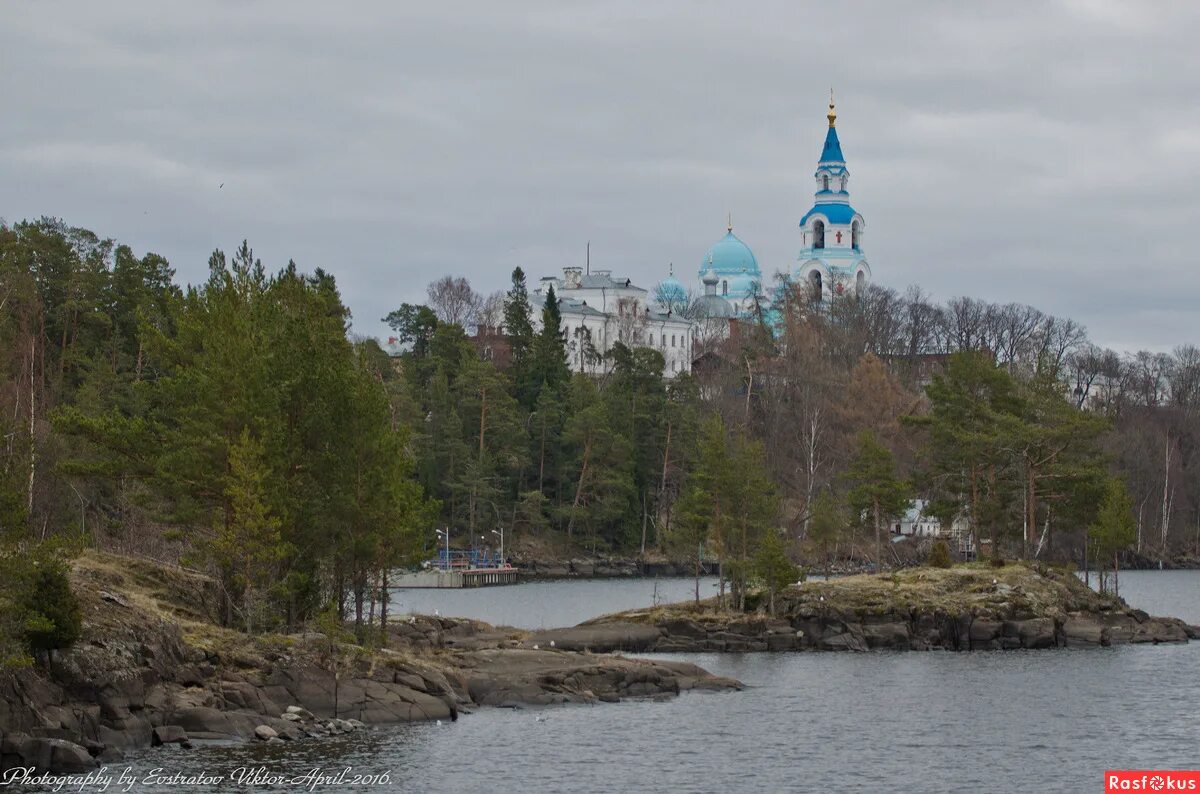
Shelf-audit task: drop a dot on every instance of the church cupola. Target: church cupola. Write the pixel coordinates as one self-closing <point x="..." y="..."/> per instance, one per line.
<point x="832" y="231"/>
<point x="831" y="176"/>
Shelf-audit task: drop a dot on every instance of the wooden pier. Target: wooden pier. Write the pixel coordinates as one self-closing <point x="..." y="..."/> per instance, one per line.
<point x="436" y="578"/>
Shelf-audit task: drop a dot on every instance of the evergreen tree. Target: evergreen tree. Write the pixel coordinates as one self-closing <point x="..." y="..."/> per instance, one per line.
<point x="825" y="524"/>
<point x="729" y="503"/>
<point x="603" y="494"/>
<point x="974" y="411"/>
<point x="519" y="332"/>
<point x="1114" y="529"/>
<point x="548" y="359"/>
<point x="876" y="493"/>
<point x="773" y="568"/>
<point x="247" y="544"/>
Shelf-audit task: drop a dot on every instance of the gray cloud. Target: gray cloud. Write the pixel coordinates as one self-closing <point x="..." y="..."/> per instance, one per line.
<point x="1042" y="153"/>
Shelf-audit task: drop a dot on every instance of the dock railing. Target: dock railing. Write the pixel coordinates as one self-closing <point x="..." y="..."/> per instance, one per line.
<point x="469" y="559"/>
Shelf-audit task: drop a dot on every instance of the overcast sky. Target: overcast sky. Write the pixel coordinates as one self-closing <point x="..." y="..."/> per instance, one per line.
<point x="1046" y="153"/>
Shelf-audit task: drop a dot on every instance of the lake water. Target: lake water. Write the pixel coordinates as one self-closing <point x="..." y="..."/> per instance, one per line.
<point x="1027" y="721"/>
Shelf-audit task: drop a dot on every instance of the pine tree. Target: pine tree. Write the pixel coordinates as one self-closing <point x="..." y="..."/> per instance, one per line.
<point x="548" y="359"/>
<point x="876" y="492"/>
<point x="1114" y="529"/>
<point x="974" y="411"/>
<point x="249" y="542"/>
<point x="519" y="332"/>
<point x="773" y="567"/>
<point x="825" y="525"/>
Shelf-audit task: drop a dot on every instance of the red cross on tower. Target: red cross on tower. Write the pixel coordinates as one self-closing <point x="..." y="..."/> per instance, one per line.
<point x="839" y="237"/>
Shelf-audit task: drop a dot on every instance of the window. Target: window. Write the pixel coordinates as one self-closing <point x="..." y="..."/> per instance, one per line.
<point x="724" y="287"/>
<point x="672" y="340"/>
<point x="855" y="235"/>
<point x="819" y="234"/>
<point x="674" y="366"/>
<point x="664" y="340"/>
<point x="816" y="288"/>
<point x="860" y="281"/>
<point x="825" y="181"/>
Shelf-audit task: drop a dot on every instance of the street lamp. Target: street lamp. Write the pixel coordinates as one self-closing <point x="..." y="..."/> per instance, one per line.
<point x="445" y="534"/>
<point x="503" y="564"/>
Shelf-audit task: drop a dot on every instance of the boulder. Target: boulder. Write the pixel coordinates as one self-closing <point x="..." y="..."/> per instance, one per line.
<point x="265" y="732"/>
<point x="888" y="636"/>
<point x="1158" y="630"/>
<point x="984" y="633"/>
<point x="169" y="734"/>
<point x="1082" y="630"/>
<point x="845" y="641"/>
<point x="783" y="642"/>
<point x="50" y="755"/>
<point x="1032" y="633"/>
<point x="203" y="722"/>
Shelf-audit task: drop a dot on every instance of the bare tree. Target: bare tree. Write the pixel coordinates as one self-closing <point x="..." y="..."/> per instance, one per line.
<point x="491" y="311"/>
<point x="1055" y="339"/>
<point x="1015" y="327"/>
<point x="453" y="301"/>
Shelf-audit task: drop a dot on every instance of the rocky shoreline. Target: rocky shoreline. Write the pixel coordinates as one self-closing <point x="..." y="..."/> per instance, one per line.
<point x="151" y="669"/>
<point x="967" y="608"/>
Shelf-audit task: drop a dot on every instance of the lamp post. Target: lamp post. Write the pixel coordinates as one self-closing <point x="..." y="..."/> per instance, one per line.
<point x="503" y="564"/>
<point x="445" y="534"/>
<point x="500" y="526"/>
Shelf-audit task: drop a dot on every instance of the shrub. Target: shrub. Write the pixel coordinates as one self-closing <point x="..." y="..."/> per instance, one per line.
<point x="53" y="618"/>
<point x="996" y="561"/>
<point x="939" y="555"/>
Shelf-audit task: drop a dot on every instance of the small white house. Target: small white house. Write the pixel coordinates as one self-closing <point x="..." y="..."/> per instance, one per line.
<point x="917" y="522"/>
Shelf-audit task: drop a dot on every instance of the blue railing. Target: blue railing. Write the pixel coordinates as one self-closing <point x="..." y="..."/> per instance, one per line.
<point x="469" y="558"/>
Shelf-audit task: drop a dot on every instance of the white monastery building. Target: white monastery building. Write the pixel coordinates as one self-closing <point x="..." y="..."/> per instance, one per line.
<point x="599" y="309"/>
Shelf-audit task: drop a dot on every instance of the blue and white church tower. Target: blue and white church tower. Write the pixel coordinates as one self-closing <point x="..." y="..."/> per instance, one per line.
<point x="831" y="261"/>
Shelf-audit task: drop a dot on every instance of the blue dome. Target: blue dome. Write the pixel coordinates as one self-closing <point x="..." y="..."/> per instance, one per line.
<point x="835" y="213"/>
<point x="730" y="256"/>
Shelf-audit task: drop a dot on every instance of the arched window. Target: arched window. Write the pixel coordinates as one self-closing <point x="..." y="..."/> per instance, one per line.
<point x="724" y="287"/>
<point x="856" y="235"/>
<point x="819" y="234"/>
<point x="672" y="340"/>
<point x="816" y="288"/>
<point x="664" y="340"/>
<point x="843" y="183"/>
<point x="825" y="181"/>
<point x="860" y="281"/>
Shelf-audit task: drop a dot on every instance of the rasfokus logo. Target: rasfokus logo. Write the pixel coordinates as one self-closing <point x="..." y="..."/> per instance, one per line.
<point x="1151" y="780"/>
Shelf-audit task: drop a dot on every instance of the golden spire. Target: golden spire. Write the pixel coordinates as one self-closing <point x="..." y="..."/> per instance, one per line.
<point x="832" y="114"/>
<point x="729" y="222"/>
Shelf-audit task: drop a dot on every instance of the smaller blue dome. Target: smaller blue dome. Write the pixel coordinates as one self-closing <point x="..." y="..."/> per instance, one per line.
<point x="729" y="256"/>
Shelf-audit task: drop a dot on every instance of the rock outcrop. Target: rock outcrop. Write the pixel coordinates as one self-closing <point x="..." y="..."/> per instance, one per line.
<point x="150" y="669"/>
<point x="966" y="608"/>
